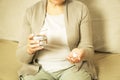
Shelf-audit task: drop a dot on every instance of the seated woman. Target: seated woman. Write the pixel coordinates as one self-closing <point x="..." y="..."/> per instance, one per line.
<point x="69" y="51"/>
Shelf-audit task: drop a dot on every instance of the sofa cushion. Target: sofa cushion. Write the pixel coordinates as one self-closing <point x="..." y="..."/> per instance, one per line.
<point x="8" y="62"/>
<point x="108" y="66"/>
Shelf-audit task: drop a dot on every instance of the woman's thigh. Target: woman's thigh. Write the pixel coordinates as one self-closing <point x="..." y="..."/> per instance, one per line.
<point x="41" y="75"/>
<point x="73" y="74"/>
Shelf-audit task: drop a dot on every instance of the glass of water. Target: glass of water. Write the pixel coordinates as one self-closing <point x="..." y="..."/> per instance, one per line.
<point x="42" y="39"/>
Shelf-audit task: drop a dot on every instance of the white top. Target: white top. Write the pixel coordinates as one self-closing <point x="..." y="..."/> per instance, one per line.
<point x="53" y="58"/>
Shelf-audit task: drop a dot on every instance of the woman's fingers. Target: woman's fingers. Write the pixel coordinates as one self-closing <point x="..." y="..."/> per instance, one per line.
<point x="74" y="57"/>
<point x="74" y="60"/>
<point x="32" y="42"/>
<point x="36" y="49"/>
<point x="30" y="37"/>
<point x="33" y="48"/>
<point x="33" y="45"/>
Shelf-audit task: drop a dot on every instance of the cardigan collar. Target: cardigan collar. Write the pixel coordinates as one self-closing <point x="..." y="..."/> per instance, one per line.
<point x="41" y="14"/>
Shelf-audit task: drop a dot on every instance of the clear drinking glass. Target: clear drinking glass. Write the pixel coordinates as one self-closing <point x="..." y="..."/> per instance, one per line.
<point x="42" y="39"/>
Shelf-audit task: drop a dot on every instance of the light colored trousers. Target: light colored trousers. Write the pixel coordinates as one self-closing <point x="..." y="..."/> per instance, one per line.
<point x="67" y="74"/>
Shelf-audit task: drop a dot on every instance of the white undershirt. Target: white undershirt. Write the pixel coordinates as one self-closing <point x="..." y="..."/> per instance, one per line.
<point x="53" y="58"/>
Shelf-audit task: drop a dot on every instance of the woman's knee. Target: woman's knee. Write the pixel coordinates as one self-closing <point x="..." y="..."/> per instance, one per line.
<point x="71" y="74"/>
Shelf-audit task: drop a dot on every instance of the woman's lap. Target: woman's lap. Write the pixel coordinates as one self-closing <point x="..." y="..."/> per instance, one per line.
<point x="68" y="74"/>
<point x="41" y="75"/>
<point x="74" y="74"/>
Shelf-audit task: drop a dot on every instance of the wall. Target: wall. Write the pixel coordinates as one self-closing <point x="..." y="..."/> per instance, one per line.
<point x="105" y="16"/>
<point x="11" y="16"/>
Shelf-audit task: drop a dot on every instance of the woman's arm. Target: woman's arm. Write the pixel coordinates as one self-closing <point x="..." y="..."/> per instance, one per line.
<point x="84" y="51"/>
<point x="22" y="53"/>
<point x="86" y="42"/>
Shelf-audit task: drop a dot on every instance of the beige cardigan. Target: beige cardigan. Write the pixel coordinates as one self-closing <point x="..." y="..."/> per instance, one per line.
<point x="79" y="34"/>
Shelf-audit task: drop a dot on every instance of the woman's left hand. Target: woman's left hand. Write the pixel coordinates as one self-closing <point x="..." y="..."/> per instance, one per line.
<point x="76" y="55"/>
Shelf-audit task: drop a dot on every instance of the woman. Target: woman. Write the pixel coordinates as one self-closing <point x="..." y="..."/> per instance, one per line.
<point x="69" y="50"/>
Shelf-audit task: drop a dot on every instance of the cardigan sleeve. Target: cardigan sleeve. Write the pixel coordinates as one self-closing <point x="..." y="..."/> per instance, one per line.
<point x="86" y="33"/>
<point x="21" y="52"/>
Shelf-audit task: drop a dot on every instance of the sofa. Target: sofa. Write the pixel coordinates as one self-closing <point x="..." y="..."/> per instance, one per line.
<point x="107" y="64"/>
<point x="105" y="16"/>
<point x="8" y="62"/>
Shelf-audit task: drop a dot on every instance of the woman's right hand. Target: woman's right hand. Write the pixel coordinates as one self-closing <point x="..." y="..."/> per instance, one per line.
<point x="33" y="45"/>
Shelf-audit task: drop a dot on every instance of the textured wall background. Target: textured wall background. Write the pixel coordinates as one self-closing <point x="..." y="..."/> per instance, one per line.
<point x="105" y="16"/>
<point x="11" y="16"/>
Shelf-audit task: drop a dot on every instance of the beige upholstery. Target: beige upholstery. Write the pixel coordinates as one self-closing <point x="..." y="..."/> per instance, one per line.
<point x="108" y="65"/>
<point x="8" y="63"/>
<point x="105" y="15"/>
